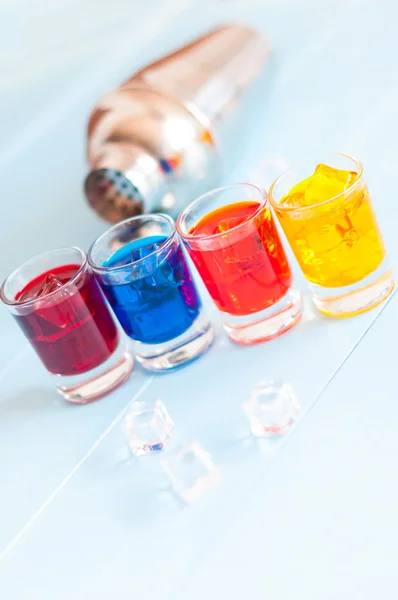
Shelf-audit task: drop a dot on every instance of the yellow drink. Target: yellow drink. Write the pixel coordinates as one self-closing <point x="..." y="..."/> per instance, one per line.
<point x="329" y="221"/>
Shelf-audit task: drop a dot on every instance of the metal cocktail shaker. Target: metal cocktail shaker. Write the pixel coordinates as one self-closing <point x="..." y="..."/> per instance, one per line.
<point x="155" y="142"/>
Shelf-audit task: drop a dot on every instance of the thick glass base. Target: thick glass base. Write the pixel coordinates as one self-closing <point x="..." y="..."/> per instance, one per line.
<point x="179" y="351"/>
<point x="357" y="298"/>
<point x="90" y="386"/>
<point x="267" y="324"/>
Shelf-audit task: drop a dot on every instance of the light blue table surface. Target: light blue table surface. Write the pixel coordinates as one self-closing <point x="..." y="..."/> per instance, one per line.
<point x="309" y="516"/>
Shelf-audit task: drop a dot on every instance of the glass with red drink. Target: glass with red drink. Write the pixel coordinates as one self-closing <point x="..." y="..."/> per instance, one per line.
<point x="232" y="239"/>
<point x="60" y="308"/>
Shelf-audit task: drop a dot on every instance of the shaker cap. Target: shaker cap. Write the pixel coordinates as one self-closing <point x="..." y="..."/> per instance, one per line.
<point x="112" y="195"/>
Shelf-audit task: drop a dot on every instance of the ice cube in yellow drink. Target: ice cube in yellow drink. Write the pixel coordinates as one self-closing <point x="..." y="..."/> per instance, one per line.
<point x="329" y="221"/>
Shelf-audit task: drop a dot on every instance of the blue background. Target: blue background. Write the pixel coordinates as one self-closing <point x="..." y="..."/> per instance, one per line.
<point x="309" y="516"/>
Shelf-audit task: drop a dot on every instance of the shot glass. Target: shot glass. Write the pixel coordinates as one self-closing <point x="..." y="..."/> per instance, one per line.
<point x="59" y="306"/>
<point x="232" y="239"/>
<point x="141" y="268"/>
<point x="326" y="213"/>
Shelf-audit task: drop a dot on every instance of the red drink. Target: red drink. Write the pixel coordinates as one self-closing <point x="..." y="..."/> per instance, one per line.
<point x="245" y="270"/>
<point x="70" y="327"/>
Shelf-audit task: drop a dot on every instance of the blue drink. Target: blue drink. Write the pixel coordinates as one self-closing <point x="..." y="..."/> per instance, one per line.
<point x="141" y="268"/>
<point x="151" y="292"/>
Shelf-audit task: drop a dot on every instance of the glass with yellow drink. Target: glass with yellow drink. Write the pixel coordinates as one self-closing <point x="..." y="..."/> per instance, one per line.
<point x="328" y="218"/>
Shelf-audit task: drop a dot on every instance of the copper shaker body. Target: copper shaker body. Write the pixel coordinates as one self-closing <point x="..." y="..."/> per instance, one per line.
<point x="155" y="142"/>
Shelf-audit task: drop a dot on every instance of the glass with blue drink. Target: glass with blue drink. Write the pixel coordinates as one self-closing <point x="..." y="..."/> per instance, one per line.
<point x="141" y="268"/>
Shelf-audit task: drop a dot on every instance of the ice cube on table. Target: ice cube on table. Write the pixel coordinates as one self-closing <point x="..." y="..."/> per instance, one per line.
<point x="190" y="470"/>
<point x="148" y="426"/>
<point x="271" y="409"/>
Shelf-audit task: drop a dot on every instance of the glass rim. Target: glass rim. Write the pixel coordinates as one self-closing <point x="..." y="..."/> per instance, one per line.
<point x="188" y="236"/>
<point x="6" y="300"/>
<point x="151" y="217"/>
<point x="347" y="191"/>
